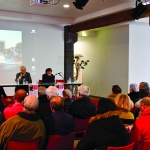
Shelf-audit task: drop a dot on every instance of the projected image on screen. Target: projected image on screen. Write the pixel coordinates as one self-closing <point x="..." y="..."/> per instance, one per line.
<point x="10" y="49"/>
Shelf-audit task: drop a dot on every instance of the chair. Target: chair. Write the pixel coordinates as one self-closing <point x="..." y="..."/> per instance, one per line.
<point x="146" y="145"/>
<point x="16" y="145"/>
<point x="60" y="81"/>
<point x="128" y="147"/>
<point x="80" y="127"/>
<point x="61" y="142"/>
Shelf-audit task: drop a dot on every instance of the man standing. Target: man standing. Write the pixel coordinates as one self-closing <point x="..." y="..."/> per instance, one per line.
<point x="24" y="127"/>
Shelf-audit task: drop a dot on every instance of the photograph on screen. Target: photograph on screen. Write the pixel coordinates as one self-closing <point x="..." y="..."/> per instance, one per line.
<point x="10" y="49"/>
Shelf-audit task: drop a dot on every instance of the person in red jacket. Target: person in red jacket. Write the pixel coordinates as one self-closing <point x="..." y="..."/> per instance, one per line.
<point x="141" y="128"/>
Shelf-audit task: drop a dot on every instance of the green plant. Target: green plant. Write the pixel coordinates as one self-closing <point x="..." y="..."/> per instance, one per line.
<point x="79" y="63"/>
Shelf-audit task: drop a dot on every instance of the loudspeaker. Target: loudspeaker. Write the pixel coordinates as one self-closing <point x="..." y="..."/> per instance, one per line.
<point x="71" y="37"/>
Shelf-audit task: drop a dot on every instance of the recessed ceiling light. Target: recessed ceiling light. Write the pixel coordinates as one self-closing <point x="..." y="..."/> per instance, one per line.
<point x="66" y="6"/>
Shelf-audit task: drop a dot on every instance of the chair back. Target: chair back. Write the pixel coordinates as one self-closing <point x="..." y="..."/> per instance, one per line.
<point x="128" y="147"/>
<point x="17" y="145"/>
<point x="81" y="124"/>
<point x="146" y="145"/>
<point x="61" y="142"/>
<point x="60" y="81"/>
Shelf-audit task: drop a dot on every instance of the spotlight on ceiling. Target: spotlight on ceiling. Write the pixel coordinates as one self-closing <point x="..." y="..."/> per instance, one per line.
<point x="79" y="4"/>
<point x="139" y="10"/>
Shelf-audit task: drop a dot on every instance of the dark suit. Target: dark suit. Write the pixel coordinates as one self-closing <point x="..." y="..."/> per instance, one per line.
<point x="82" y="108"/>
<point x="48" y="79"/>
<point x="2" y="93"/>
<point x="27" y="78"/>
<point x="59" y="123"/>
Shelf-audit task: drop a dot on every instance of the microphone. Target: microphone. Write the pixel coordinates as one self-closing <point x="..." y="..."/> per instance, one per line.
<point x="58" y="73"/>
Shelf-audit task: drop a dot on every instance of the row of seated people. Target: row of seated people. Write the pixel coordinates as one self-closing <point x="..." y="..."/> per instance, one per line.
<point x="97" y="123"/>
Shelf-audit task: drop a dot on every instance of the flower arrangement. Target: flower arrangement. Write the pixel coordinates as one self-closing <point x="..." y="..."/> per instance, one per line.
<point x="79" y="63"/>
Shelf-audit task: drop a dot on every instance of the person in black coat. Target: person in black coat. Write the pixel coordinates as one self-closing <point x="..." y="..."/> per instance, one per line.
<point x="2" y="93"/>
<point x="144" y="89"/>
<point x="134" y="93"/>
<point x="58" y="122"/>
<point x="105" y="129"/>
<point x="82" y="108"/>
<point x="67" y="97"/>
<point x="48" y="76"/>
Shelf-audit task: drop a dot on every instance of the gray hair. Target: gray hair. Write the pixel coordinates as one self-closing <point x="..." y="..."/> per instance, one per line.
<point x="145" y="85"/>
<point x="84" y="91"/>
<point x="30" y="102"/>
<point x="146" y="101"/>
<point x="41" y="90"/>
<point x="67" y="93"/>
<point x="51" y="91"/>
<point x="134" y="87"/>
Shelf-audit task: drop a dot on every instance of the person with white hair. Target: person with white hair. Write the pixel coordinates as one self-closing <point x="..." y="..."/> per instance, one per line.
<point x="25" y="126"/>
<point x="82" y="107"/>
<point x="134" y="93"/>
<point x="51" y="91"/>
<point x="45" y="95"/>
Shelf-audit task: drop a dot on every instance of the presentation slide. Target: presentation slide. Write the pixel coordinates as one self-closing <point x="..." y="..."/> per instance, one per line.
<point x="10" y="50"/>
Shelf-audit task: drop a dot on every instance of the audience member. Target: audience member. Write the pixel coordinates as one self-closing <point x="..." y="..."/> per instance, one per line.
<point x="134" y="93"/>
<point x="82" y="107"/>
<point x="124" y="104"/>
<point x="144" y="89"/>
<point x="26" y="126"/>
<point x="13" y="109"/>
<point x="51" y="91"/>
<point x="115" y="91"/>
<point x="43" y="109"/>
<point x="141" y="128"/>
<point x="59" y="122"/>
<point x="105" y="129"/>
<point x="67" y="96"/>
<point x="1" y="118"/>
<point x="2" y="93"/>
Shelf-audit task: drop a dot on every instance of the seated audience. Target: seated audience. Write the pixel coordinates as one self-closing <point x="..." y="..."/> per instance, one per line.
<point x="115" y="91"/>
<point x="82" y="108"/>
<point x="141" y="128"/>
<point x="26" y="126"/>
<point x="59" y="122"/>
<point x="124" y="104"/>
<point x="1" y="118"/>
<point x="13" y="109"/>
<point x="48" y="77"/>
<point x="144" y="89"/>
<point x="67" y="97"/>
<point x="134" y="93"/>
<point x="43" y="109"/>
<point x="105" y="129"/>
<point x="2" y="93"/>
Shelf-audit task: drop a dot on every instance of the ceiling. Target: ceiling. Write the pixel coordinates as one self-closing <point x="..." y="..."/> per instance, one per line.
<point x="21" y="10"/>
<point x="23" y="6"/>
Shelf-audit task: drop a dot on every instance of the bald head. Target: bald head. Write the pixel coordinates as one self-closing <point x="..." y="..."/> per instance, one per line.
<point x="20" y="95"/>
<point x="31" y="103"/>
<point x="57" y="103"/>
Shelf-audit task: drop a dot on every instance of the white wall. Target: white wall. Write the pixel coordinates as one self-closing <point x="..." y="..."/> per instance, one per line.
<point x="46" y="46"/>
<point x="139" y="54"/>
<point x="108" y="54"/>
